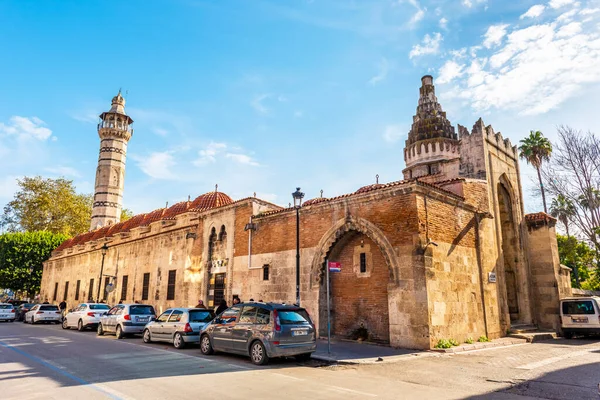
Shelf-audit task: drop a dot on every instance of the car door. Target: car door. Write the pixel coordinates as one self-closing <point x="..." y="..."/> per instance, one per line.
<point x="73" y="317"/>
<point x="110" y="320"/>
<point x="242" y="330"/>
<point x="30" y="313"/>
<point x="157" y="328"/>
<point x="173" y="324"/>
<point x="223" y="330"/>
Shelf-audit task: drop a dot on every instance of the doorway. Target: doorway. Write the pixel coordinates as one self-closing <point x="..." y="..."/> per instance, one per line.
<point x="219" y="289"/>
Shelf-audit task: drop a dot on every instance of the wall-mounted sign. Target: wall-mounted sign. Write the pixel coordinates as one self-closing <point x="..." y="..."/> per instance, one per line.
<point x="335" y="266"/>
<point x="491" y="277"/>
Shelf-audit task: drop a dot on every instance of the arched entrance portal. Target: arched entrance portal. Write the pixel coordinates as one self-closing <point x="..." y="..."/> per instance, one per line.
<point x="509" y="250"/>
<point x="359" y="296"/>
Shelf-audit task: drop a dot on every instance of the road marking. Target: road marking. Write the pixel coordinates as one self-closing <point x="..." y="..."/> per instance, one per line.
<point x="552" y="360"/>
<point x="342" y="389"/>
<point x="239" y="366"/>
<point x="287" y="376"/>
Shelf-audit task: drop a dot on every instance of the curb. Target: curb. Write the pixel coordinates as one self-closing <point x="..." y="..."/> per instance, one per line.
<point x="481" y="346"/>
<point x="374" y="360"/>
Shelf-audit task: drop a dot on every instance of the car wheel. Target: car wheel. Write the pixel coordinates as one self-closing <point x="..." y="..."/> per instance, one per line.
<point x="32" y="321"/>
<point x="205" y="346"/>
<point x="568" y="335"/>
<point x="100" y="330"/>
<point x="147" y="338"/>
<point x="12" y="320"/>
<point x="119" y="332"/>
<point x="258" y="353"/>
<point x="303" y="357"/>
<point x="80" y="326"/>
<point x="178" y="341"/>
<point x="64" y="324"/>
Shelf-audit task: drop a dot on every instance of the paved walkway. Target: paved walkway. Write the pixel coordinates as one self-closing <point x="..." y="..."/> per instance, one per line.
<point x="358" y="353"/>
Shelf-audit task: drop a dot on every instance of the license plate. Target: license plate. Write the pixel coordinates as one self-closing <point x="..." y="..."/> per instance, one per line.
<point x="579" y="319"/>
<point x="142" y="319"/>
<point x="299" y="333"/>
<point x="48" y="318"/>
<point x="4" y="316"/>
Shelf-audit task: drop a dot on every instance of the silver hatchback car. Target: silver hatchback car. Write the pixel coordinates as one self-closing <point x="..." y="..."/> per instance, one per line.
<point x="178" y="326"/>
<point x="262" y="331"/>
<point x="126" y="319"/>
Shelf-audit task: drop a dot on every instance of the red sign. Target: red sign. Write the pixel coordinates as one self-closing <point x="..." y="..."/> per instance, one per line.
<point x="335" y="266"/>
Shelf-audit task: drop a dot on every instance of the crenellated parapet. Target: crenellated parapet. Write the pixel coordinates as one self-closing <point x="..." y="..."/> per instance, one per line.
<point x="494" y="138"/>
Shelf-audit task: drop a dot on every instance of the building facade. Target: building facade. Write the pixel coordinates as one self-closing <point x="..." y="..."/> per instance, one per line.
<point x="445" y="253"/>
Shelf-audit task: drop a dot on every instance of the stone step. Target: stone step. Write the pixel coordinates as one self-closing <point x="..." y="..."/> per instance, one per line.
<point x="533" y="337"/>
<point x="523" y="328"/>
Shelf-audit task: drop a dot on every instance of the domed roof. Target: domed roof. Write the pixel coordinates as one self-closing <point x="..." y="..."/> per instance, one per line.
<point x="211" y="200"/>
<point x="368" y="188"/>
<point x="314" y="201"/>
<point x="176" y="209"/>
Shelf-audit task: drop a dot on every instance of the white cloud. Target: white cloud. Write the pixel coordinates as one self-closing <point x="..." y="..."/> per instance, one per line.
<point x="393" y="133"/>
<point x="568" y="16"/>
<point x="560" y="3"/>
<point x="429" y="45"/>
<point x="257" y="103"/>
<point x="242" y="159"/>
<point x="382" y="73"/>
<point x="160" y="131"/>
<point x="494" y="35"/>
<point x="470" y="3"/>
<point x="208" y="155"/>
<point x="417" y="16"/>
<point x="589" y="11"/>
<point x="449" y="71"/>
<point x="534" y="11"/>
<point x="64" y="171"/>
<point x="532" y="70"/>
<point x="26" y="128"/>
<point x="157" y="165"/>
<point x="443" y="23"/>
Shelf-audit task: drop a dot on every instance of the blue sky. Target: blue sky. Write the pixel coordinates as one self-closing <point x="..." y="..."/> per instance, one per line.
<point x="266" y="95"/>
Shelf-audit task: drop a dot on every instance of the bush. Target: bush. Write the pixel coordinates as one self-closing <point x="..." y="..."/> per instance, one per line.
<point x="469" y="340"/>
<point x="483" y="338"/>
<point x="443" y="344"/>
<point x="453" y="342"/>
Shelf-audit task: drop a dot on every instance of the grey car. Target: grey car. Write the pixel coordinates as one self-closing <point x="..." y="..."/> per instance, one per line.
<point x="261" y="331"/>
<point x="178" y="326"/>
<point x="126" y="319"/>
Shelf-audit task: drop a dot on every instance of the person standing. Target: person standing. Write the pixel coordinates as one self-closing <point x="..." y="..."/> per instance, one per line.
<point x="62" y="307"/>
<point x="236" y="300"/>
<point x="222" y="307"/>
<point x="200" y="305"/>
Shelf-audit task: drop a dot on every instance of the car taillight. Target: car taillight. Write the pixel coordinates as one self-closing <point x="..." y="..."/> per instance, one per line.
<point x="12" y="311"/>
<point x="39" y="312"/>
<point x="127" y="317"/>
<point x="91" y="314"/>
<point x="276" y="321"/>
<point x="188" y="328"/>
<point x="58" y="312"/>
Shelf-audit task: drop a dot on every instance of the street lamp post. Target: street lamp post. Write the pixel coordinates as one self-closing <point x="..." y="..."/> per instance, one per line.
<point x="103" y="249"/>
<point x="297" y="195"/>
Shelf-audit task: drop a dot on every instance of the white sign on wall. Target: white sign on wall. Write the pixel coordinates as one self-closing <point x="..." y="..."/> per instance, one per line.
<point x="491" y="277"/>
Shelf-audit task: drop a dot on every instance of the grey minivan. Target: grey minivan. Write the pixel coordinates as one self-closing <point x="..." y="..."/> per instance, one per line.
<point x="261" y="331"/>
<point x="125" y="319"/>
<point x="178" y="326"/>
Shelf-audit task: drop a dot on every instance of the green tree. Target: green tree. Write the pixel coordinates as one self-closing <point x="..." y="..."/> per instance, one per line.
<point x="535" y="149"/>
<point x="126" y="214"/>
<point x="21" y="258"/>
<point x="580" y="257"/>
<point x="563" y="209"/>
<point x="50" y="205"/>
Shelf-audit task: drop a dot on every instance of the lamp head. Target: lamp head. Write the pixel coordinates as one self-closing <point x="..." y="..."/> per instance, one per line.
<point x="298" y="196"/>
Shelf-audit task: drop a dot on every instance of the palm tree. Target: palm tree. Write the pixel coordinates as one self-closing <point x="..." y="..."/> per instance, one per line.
<point x="563" y="209"/>
<point x="535" y="149"/>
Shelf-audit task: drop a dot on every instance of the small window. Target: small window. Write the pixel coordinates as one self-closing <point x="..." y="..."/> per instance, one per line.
<point x="91" y="291"/>
<point x="265" y="273"/>
<point x="201" y="316"/>
<point x="48" y="308"/>
<point x="176" y="316"/>
<point x="55" y="291"/>
<point x="171" y="285"/>
<point x="248" y="315"/>
<point x="141" y="310"/>
<point x="145" y="286"/>
<point x="363" y="263"/>
<point x="77" y="287"/>
<point x="97" y="306"/>
<point x="263" y="316"/>
<point x="578" y="307"/>
<point x="292" y="317"/>
<point x="66" y="290"/>
<point x="124" y="282"/>
<point x="164" y="316"/>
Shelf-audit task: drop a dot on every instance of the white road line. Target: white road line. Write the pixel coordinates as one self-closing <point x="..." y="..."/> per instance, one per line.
<point x="341" y="389"/>
<point x="287" y="376"/>
<point x="238" y="366"/>
<point x="552" y="360"/>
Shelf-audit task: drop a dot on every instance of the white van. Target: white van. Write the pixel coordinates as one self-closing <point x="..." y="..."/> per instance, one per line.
<point x="580" y="315"/>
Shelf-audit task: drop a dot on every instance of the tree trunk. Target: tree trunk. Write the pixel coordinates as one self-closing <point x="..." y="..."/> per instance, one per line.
<point x="542" y="188"/>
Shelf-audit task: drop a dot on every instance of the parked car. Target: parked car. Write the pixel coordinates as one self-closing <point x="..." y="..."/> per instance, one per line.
<point x="22" y="310"/>
<point x="7" y="312"/>
<point x="178" y="326"/>
<point x="580" y="315"/>
<point x="16" y="303"/>
<point x="86" y="315"/>
<point x="262" y="331"/>
<point x="47" y="313"/>
<point x="126" y="319"/>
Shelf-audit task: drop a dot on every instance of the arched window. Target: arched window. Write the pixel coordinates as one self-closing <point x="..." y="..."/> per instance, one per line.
<point x="222" y="234"/>
<point x="212" y="240"/>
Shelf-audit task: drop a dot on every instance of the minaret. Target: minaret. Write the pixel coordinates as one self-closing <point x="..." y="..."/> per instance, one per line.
<point x="115" y="131"/>
<point x="432" y="147"/>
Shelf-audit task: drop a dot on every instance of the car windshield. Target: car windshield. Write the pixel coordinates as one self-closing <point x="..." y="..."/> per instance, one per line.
<point x="577" y="307"/>
<point x="289" y="317"/>
<point x="141" y="310"/>
<point x="6" y="306"/>
<point x="49" y="308"/>
<point x="99" y="307"/>
<point x="201" y="316"/>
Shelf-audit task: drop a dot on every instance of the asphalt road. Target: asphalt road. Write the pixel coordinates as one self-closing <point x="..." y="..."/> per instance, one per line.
<point x="46" y="362"/>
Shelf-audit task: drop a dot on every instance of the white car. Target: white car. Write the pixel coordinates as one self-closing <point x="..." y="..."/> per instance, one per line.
<point x="580" y="316"/>
<point x="7" y="312"/>
<point x="43" y="313"/>
<point x="86" y="315"/>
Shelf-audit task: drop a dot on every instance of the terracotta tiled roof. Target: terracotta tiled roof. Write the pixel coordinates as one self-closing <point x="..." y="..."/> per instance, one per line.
<point x="211" y="200"/>
<point x="153" y="216"/>
<point x="64" y="245"/>
<point x="540" y="216"/>
<point x="176" y="209"/>
<point x="314" y="201"/>
<point x="368" y="188"/>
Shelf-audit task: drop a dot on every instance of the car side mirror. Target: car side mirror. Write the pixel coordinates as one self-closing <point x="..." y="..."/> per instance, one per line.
<point x="218" y="320"/>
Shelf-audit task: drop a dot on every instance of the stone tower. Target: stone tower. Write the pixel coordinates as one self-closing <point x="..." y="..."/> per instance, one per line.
<point x="432" y="147"/>
<point x="115" y="131"/>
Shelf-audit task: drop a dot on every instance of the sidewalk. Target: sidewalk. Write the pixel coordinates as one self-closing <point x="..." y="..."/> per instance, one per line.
<point x="349" y="352"/>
